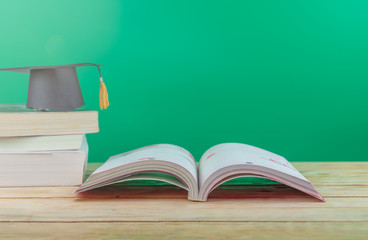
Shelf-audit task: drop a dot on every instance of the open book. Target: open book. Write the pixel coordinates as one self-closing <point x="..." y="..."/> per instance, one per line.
<point x="175" y="165"/>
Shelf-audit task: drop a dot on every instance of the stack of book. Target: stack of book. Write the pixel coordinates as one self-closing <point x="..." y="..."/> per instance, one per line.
<point x="44" y="148"/>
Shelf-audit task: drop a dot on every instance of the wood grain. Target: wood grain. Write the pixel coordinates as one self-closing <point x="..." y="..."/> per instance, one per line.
<point x="334" y="173"/>
<point x="169" y="191"/>
<point x="270" y="211"/>
<point x="186" y="230"/>
<point x="226" y="209"/>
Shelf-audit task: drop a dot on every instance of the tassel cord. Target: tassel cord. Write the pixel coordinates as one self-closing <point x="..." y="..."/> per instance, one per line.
<point x="104" y="97"/>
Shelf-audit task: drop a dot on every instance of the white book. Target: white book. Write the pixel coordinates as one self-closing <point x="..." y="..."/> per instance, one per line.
<point x="44" y="168"/>
<point x="40" y="143"/>
<point x="16" y="121"/>
<point x="175" y="165"/>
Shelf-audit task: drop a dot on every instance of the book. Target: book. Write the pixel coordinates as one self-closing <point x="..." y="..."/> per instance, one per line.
<point x="40" y="143"/>
<point x="175" y="165"/>
<point x="44" y="168"/>
<point x="17" y="120"/>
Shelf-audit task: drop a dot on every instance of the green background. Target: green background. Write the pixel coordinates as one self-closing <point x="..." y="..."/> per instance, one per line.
<point x="287" y="76"/>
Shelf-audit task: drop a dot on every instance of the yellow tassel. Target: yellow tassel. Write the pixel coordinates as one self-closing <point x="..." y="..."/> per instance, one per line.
<point x="104" y="97"/>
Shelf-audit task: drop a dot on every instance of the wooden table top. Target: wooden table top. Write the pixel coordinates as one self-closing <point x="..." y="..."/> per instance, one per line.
<point x="163" y="212"/>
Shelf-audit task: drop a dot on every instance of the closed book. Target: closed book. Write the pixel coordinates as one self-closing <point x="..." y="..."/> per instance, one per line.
<point x="44" y="168"/>
<point x="17" y="120"/>
<point x="40" y="143"/>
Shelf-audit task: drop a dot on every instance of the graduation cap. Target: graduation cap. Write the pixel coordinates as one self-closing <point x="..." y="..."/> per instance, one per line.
<point x="57" y="87"/>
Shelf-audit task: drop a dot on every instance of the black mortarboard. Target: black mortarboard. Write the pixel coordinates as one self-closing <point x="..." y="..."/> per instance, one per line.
<point x="57" y="87"/>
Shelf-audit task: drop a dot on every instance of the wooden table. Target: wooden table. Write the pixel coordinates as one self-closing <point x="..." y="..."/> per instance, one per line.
<point x="162" y="212"/>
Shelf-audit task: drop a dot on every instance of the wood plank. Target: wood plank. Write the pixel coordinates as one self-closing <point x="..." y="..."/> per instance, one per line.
<point x="334" y="173"/>
<point x="264" y="209"/>
<point x="186" y="230"/>
<point x="169" y="191"/>
<point x="228" y="203"/>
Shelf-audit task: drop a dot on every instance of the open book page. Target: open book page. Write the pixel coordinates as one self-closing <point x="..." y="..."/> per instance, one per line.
<point x="156" y="176"/>
<point x="137" y="164"/>
<point x="163" y="152"/>
<point x="225" y="160"/>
